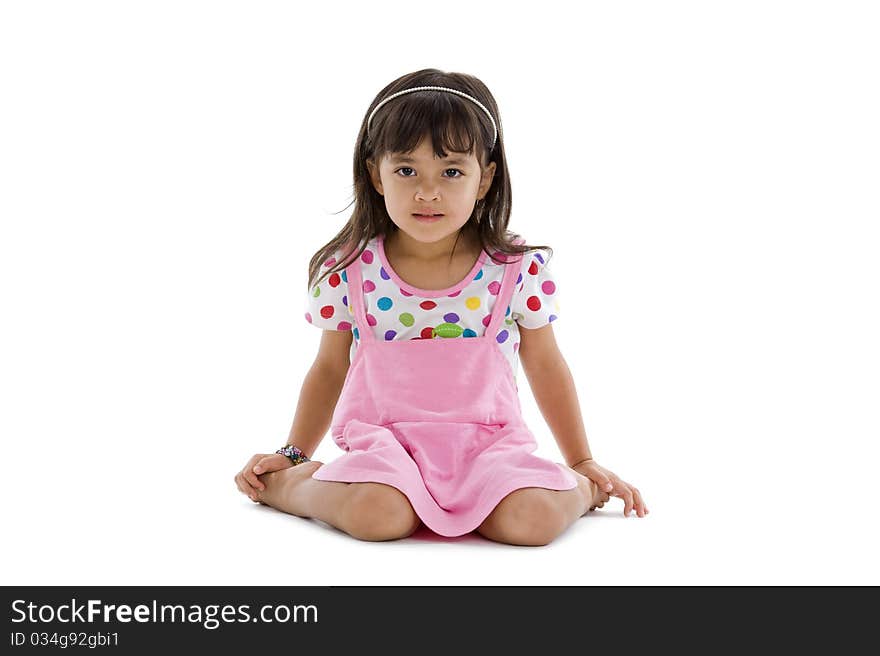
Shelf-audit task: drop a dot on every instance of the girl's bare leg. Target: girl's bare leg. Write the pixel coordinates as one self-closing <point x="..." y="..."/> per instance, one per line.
<point x="535" y="516"/>
<point x="367" y="511"/>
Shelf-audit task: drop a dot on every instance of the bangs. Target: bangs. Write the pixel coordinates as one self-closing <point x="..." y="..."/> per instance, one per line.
<point x="450" y="124"/>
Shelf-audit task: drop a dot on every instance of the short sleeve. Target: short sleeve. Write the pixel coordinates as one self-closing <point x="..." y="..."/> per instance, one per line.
<point x="535" y="303"/>
<point x="327" y="302"/>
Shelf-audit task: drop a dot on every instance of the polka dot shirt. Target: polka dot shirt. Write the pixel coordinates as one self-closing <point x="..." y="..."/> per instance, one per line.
<point x="397" y="310"/>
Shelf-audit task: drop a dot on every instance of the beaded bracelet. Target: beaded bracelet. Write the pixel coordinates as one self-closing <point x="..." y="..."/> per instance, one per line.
<point x="296" y="456"/>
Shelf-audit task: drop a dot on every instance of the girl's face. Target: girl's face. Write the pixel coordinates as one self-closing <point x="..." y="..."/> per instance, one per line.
<point x="419" y="181"/>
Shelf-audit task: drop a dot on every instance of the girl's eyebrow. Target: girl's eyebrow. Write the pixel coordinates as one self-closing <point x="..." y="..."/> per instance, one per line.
<point x="451" y="160"/>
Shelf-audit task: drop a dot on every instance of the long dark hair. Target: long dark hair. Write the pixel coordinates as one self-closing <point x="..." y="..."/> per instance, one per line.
<point x="452" y="123"/>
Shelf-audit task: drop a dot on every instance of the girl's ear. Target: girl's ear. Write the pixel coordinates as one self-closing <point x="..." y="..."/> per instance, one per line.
<point x="486" y="180"/>
<point x="374" y="176"/>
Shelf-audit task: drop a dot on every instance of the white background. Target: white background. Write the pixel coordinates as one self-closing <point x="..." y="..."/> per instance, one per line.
<point x="707" y="174"/>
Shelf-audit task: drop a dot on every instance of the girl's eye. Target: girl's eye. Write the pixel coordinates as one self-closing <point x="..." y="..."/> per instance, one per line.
<point x="409" y="168"/>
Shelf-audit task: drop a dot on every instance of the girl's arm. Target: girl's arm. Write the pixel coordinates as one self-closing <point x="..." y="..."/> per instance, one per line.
<point x="554" y="391"/>
<point x="320" y="391"/>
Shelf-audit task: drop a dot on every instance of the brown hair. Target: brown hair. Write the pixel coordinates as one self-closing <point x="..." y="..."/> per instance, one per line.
<point x="452" y="123"/>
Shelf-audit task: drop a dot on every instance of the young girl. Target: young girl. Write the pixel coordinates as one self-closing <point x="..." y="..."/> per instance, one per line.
<point x="427" y="301"/>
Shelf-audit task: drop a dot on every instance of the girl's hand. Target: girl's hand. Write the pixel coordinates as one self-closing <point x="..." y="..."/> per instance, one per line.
<point x="262" y="463"/>
<point x="611" y="484"/>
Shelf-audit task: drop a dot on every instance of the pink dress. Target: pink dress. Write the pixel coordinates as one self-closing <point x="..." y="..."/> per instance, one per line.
<point x="438" y="419"/>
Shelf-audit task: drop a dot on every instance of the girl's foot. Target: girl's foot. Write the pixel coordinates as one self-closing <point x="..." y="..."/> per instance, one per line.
<point x="598" y="496"/>
<point x="591" y="491"/>
<point x="284" y="483"/>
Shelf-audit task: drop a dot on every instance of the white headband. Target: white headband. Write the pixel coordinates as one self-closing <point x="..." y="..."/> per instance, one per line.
<point x="455" y="91"/>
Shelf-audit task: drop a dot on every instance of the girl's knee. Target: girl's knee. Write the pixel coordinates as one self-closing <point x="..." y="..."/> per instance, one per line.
<point x="376" y="512"/>
<point x="527" y="517"/>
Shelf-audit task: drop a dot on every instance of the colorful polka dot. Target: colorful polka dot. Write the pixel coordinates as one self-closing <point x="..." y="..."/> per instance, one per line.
<point x="463" y="313"/>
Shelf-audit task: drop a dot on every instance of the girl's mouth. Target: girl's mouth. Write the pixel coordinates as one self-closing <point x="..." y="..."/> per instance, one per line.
<point x="428" y="218"/>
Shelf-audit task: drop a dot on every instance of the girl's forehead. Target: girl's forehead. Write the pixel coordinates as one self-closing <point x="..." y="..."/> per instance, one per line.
<point x="450" y="158"/>
<point x="424" y="152"/>
<point x="425" y="149"/>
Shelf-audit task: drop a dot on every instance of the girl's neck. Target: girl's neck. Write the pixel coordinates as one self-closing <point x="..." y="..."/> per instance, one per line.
<point x="405" y="247"/>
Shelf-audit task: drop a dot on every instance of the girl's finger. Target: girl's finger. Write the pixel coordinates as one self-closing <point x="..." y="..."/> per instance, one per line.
<point x="271" y="463"/>
<point x="244" y="488"/>
<point x="252" y="479"/>
<point x="626" y="494"/>
<point x="641" y="510"/>
<point x="247" y="474"/>
<point x="266" y="465"/>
